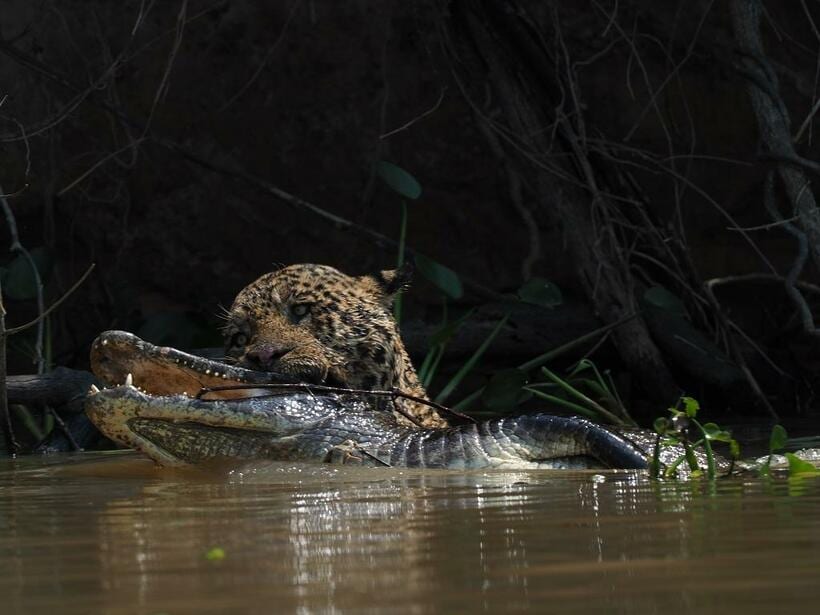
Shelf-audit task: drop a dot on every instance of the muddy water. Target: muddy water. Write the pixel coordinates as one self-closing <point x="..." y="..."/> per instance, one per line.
<point x="112" y="534"/>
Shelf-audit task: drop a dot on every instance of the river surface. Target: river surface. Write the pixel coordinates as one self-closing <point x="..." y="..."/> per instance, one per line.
<point x="111" y="533"/>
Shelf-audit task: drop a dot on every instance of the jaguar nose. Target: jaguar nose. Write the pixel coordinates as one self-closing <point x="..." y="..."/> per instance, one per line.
<point x="264" y="356"/>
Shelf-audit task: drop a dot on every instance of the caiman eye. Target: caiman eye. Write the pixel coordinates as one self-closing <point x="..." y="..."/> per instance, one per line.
<point x="300" y="310"/>
<point x="239" y="339"/>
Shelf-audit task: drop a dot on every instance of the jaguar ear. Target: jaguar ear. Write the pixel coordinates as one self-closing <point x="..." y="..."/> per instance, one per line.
<point x="393" y="281"/>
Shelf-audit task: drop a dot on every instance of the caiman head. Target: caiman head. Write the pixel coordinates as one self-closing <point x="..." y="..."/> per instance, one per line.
<point x="159" y="402"/>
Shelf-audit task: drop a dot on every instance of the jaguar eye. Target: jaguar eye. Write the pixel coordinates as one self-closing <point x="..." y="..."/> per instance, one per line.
<point x="300" y="310"/>
<point x="240" y="339"/>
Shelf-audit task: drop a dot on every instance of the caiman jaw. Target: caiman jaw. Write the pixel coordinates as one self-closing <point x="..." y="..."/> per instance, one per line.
<point x="111" y="410"/>
<point x="150" y="406"/>
<point x="166" y="371"/>
<point x="176" y="430"/>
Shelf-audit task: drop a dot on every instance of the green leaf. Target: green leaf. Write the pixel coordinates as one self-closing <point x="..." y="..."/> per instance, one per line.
<point x="399" y="180"/>
<point x="539" y="291"/>
<point x="445" y="279"/>
<point x="503" y="391"/>
<point x="215" y="554"/>
<point x="734" y="449"/>
<point x="712" y="431"/>
<point x="661" y="425"/>
<point x="690" y="406"/>
<point x="777" y="440"/>
<point x="19" y="282"/>
<point x="659" y="297"/>
<point x="799" y="466"/>
<point x="471" y="362"/>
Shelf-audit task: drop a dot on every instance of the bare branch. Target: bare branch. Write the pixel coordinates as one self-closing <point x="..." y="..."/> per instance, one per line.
<point x="54" y="305"/>
<point x="773" y="119"/>
<point x="418" y="118"/>
<point x="16" y="246"/>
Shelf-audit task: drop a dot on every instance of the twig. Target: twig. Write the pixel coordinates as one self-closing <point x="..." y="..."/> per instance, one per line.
<point x="673" y="73"/>
<point x="658" y="166"/>
<point x="24" y="139"/>
<point x="380" y="146"/>
<point x="131" y="145"/>
<point x="59" y="420"/>
<point x="271" y="49"/>
<point x="763" y="227"/>
<point x="16" y="246"/>
<point x="366" y="453"/>
<point x="515" y="185"/>
<point x="162" y="88"/>
<point x="54" y="305"/>
<point x="261" y="184"/>
<point x="8" y="430"/>
<point x="11" y="442"/>
<point x="761" y="277"/>
<point x="773" y="119"/>
<point x="807" y="122"/>
<point x="806" y="317"/>
<point x="418" y="118"/>
<point x="737" y="355"/>
<point x="374" y="236"/>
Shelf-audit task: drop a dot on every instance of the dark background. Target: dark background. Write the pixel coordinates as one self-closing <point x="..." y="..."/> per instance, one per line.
<point x="111" y="111"/>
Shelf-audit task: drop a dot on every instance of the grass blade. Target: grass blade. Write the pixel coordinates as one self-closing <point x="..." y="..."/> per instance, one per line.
<point x="471" y="362"/>
<point x="560" y="401"/>
<point x="548" y="356"/>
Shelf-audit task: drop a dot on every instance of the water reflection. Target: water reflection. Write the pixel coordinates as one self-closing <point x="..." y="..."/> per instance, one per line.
<point x="113" y="534"/>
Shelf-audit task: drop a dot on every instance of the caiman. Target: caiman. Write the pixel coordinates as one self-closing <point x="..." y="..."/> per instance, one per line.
<point x="174" y="407"/>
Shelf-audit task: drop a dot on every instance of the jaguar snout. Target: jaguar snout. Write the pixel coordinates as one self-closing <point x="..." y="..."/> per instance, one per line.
<point x="264" y="356"/>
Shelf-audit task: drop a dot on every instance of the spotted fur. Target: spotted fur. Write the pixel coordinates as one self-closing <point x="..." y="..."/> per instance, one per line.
<point x="317" y="324"/>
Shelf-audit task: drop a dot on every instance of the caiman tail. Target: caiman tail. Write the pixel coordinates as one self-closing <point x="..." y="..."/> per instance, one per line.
<point x="539" y="440"/>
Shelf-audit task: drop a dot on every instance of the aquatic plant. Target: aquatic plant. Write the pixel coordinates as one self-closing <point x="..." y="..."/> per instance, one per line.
<point x="677" y="431"/>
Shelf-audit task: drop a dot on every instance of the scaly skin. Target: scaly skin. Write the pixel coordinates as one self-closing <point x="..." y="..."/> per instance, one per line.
<point x="154" y="414"/>
<point x="175" y="430"/>
<point x="172" y="428"/>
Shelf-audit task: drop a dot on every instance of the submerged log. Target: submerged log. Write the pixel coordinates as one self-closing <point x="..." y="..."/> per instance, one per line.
<point x="63" y="387"/>
<point x="64" y="390"/>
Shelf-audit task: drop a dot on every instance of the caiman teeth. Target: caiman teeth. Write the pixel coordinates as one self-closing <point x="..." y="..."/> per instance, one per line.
<point x="93" y="390"/>
<point x="129" y="380"/>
